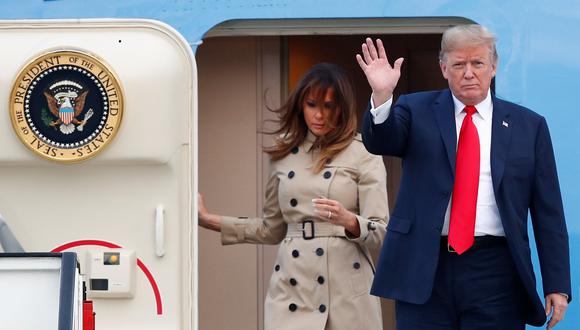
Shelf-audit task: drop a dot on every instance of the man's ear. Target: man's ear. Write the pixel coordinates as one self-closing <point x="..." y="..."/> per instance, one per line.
<point x="443" y="67"/>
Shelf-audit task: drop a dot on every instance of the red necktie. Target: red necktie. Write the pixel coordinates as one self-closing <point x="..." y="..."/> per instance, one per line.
<point x="463" y="205"/>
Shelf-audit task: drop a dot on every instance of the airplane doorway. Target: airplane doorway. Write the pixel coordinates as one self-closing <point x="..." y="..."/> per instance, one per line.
<point x="240" y="79"/>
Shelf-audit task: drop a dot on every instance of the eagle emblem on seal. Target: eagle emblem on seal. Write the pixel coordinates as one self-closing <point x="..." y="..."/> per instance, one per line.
<point x="66" y="102"/>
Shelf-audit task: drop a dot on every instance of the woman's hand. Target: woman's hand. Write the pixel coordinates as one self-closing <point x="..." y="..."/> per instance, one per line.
<point x="206" y="219"/>
<point x="332" y="211"/>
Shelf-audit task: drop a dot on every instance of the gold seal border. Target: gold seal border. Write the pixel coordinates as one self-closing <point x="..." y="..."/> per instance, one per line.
<point x="63" y="155"/>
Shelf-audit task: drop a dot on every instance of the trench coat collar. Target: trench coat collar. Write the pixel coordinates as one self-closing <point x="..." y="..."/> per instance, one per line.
<point x="309" y="141"/>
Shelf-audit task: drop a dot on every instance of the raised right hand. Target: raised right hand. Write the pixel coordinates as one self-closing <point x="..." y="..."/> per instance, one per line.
<point x="382" y="77"/>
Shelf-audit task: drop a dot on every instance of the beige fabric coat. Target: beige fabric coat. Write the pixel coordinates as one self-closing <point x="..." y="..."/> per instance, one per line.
<point x="323" y="282"/>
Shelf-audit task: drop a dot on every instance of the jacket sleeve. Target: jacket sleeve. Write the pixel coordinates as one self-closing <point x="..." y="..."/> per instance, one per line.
<point x="373" y="203"/>
<point x="389" y="137"/>
<point x="270" y="229"/>
<point x="548" y="219"/>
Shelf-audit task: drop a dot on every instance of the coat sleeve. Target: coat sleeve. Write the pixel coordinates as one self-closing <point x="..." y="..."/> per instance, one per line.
<point x="270" y="229"/>
<point x="548" y="220"/>
<point x="389" y="137"/>
<point x="373" y="203"/>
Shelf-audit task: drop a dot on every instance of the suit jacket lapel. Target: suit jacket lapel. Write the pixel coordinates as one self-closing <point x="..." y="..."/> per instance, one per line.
<point x="445" y="116"/>
<point x="500" y="138"/>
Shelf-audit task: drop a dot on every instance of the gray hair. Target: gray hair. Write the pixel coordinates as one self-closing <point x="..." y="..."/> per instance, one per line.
<point x="461" y="36"/>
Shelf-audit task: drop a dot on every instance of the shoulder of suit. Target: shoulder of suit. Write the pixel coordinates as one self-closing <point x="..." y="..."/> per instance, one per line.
<point x="427" y="94"/>
<point x="423" y="99"/>
<point x="518" y="109"/>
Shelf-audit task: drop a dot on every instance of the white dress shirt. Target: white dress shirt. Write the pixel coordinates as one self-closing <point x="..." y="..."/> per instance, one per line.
<point x="487" y="219"/>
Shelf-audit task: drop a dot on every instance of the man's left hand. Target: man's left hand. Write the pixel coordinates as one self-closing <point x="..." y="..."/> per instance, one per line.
<point x="556" y="304"/>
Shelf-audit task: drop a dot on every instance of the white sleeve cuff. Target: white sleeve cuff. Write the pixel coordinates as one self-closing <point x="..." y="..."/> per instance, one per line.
<point x="381" y="113"/>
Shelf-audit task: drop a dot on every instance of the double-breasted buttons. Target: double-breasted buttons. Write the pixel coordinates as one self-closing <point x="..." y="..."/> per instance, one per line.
<point x="293" y="202"/>
<point x="277" y="268"/>
<point x="320" y="280"/>
<point x="292" y="307"/>
<point x="319" y="252"/>
<point x="322" y="308"/>
<point x="293" y="282"/>
<point x="327" y="175"/>
<point x="295" y="253"/>
<point x="356" y="265"/>
<point x="294" y="150"/>
<point x="291" y="174"/>
<point x="371" y="225"/>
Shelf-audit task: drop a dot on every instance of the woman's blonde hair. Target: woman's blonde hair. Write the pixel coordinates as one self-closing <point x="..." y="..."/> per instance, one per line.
<point x="292" y="126"/>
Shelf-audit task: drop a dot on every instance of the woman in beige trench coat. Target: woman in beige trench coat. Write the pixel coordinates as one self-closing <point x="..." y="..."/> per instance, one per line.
<point x="326" y="204"/>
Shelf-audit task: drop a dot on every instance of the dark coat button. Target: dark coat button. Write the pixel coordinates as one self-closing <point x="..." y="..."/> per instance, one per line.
<point x="293" y="282"/>
<point x="295" y="150"/>
<point x="320" y="280"/>
<point x="291" y="174"/>
<point x="371" y="226"/>
<point x="292" y="307"/>
<point x="327" y="175"/>
<point x="322" y="308"/>
<point x="277" y="268"/>
<point x="293" y="202"/>
<point x="356" y="265"/>
<point x="319" y="252"/>
<point x="295" y="253"/>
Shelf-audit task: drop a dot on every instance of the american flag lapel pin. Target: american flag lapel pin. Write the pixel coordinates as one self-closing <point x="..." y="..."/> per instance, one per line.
<point x="505" y="124"/>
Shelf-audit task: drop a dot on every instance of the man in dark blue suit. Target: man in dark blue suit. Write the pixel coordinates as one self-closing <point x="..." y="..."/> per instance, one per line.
<point x="456" y="253"/>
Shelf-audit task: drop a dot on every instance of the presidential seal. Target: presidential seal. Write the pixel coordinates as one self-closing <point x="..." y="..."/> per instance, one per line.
<point x="66" y="106"/>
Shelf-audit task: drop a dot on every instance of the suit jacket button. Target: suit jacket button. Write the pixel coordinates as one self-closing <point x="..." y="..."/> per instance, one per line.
<point x="320" y="280"/>
<point x="292" y="307"/>
<point x="295" y="253"/>
<point x="322" y="308"/>
<point x="371" y="226"/>
<point x="293" y="282"/>
<point x="291" y="174"/>
<point x="319" y="252"/>
<point x="277" y="268"/>
<point x="295" y="150"/>
<point x="327" y="175"/>
<point x="293" y="202"/>
<point x="356" y="265"/>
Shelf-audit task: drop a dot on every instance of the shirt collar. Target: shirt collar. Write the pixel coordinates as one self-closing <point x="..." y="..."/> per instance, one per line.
<point x="484" y="108"/>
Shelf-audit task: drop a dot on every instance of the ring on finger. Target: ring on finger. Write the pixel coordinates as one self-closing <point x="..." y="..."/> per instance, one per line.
<point x="329" y="214"/>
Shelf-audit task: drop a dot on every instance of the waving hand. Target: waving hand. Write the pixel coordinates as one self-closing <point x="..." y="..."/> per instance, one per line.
<point x="382" y="77"/>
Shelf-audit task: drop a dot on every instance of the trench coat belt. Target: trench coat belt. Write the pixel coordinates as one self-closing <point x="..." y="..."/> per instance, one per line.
<point x="309" y="229"/>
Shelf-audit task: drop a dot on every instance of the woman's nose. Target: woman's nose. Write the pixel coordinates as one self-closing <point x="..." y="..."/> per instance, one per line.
<point x="318" y="113"/>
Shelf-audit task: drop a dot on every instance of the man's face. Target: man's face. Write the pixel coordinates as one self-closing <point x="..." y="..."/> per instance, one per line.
<point x="469" y="71"/>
